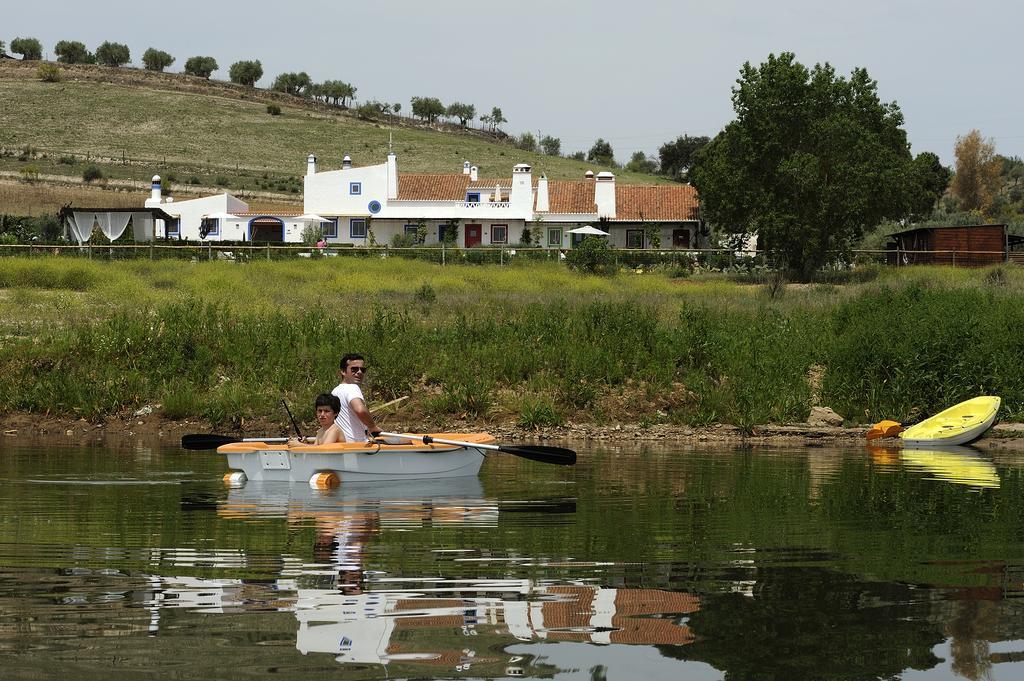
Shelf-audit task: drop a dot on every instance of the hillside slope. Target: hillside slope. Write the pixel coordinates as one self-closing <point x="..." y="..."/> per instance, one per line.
<point x="134" y="123"/>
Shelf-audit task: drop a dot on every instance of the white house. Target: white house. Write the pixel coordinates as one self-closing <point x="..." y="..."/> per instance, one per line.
<point x="363" y="206"/>
<point x="379" y="201"/>
<point x="221" y="217"/>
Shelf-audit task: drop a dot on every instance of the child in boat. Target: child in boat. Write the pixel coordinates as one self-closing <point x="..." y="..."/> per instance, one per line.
<point x="327" y="408"/>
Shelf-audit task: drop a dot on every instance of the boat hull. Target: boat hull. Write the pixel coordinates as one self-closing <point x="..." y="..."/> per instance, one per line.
<point x="958" y="425"/>
<point x="272" y="462"/>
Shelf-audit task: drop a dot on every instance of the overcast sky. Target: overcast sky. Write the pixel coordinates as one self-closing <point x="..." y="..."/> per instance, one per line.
<point x="637" y="72"/>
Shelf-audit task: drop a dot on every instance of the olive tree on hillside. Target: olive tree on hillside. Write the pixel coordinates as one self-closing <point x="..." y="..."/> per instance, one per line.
<point x="30" y="49"/>
<point x="427" y="108"/>
<point x="811" y="161"/>
<point x="73" y="52"/>
<point x="156" y="60"/>
<point x="640" y="163"/>
<point x="464" y="112"/>
<point x="293" y="83"/>
<point x="201" y="66"/>
<point x="113" y="54"/>
<point x="337" y="92"/>
<point x="601" y="153"/>
<point x="552" y="146"/>
<point x="246" y="72"/>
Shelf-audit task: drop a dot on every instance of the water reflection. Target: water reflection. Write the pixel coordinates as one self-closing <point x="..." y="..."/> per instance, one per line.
<point x="959" y="464"/>
<point x="659" y="564"/>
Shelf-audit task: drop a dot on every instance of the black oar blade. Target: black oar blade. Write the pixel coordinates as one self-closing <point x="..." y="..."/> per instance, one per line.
<point x="560" y="456"/>
<point x="206" y="441"/>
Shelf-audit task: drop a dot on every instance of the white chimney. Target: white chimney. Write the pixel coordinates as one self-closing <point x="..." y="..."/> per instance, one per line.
<point x="311" y="165"/>
<point x="589" y="175"/>
<point x="497" y="193"/>
<point x="392" y="175"/>
<point x="155" y="193"/>
<point x="521" y="196"/>
<point x="346" y="162"/>
<point x="604" y="194"/>
<point x="542" y="194"/>
<point x="465" y="167"/>
<point x="472" y="174"/>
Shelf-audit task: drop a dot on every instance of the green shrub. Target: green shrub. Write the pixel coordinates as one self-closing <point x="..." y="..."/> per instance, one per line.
<point x="92" y="173"/>
<point x="593" y="255"/>
<point x="49" y="73"/>
<point x="273" y="109"/>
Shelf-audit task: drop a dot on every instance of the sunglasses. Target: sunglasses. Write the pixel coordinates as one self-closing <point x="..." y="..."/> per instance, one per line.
<point x="359" y="369"/>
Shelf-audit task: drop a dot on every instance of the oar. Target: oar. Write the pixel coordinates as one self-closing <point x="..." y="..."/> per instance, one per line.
<point x="212" y="440"/>
<point x="559" y="456"/>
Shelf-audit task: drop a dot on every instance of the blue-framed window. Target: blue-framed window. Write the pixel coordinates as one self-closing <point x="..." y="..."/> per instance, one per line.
<point x="355" y="188"/>
<point x="357" y="228"/>
<point x="173" y="227"/>
<point x="554" y="236"/>
<point x="499" y="234"/>
<point x="472" y="197"/>
<point x="330" y="228"/>
<point x="442" y="231"/>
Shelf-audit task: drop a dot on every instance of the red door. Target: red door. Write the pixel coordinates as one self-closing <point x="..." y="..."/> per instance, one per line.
<point x="473" y="235"/>
<point x="680" y="238"/>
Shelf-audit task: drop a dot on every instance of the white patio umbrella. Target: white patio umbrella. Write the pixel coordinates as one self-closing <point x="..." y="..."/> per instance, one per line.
<point x="311" y="217"/>
<point x="587" y="229"/>
<point x="222" y="216"/>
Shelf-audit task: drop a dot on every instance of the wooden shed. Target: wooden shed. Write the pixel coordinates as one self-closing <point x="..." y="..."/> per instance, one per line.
<point x="964" y="246"/>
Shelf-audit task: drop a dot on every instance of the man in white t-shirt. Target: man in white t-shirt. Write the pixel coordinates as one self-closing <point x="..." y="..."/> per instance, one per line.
<point x="354" y="419"/>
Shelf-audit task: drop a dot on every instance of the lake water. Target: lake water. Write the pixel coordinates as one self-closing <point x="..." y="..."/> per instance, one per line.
<point x="665" y="563"/>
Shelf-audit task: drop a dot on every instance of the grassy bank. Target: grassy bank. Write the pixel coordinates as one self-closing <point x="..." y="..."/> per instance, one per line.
<point x="534" y="344"/>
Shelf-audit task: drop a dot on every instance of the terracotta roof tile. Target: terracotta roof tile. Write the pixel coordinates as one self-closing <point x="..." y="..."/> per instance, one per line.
<point x="451" y="187"/>
<point x="571" y="196"/>
<point x="666" y="202"/>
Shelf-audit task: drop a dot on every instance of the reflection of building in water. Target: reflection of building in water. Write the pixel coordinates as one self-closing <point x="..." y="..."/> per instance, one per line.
<point x="386" y="626"/>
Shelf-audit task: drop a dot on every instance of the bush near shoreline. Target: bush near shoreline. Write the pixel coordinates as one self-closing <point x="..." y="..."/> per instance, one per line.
<point x="533" y="345"/>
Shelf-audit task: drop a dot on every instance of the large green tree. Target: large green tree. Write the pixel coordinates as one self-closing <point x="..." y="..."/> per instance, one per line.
<point x="113" y="54"/>
<point x="293" y="83"/>
<point x="156" y="60"/>
<point x="427" y="108"/>
<point x="30" y="49"/>
<point x="73" y="52"/>
<point x="677" y="157"/>
<point x="246" y="72"/>
<point x="601" y="153"/>
<point x="201" y="66"/>
<point x="811" y="161"/>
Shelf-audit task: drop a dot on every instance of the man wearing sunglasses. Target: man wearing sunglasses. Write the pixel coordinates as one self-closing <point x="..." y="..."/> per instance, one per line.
<point x="354" y="419"/>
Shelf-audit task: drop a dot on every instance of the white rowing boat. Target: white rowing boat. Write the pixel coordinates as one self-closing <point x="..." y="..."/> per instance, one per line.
<point x="327" y="465"/>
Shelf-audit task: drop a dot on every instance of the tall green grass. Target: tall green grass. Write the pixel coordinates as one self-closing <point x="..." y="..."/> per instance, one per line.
<point x="532" y="343"/>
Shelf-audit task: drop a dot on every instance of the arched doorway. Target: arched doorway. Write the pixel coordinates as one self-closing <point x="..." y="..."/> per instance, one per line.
<point x="267" y="230"/>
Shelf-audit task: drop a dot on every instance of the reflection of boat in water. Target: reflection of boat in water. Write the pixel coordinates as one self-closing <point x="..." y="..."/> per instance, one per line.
<point x="256" y="499"/>
<point x="357" y="461"/>
<point x="961" y="465"/>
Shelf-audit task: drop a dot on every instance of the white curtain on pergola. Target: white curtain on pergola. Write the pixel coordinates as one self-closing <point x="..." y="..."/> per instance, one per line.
<point x="113" y="224"/>
<point x="81" y="224"/>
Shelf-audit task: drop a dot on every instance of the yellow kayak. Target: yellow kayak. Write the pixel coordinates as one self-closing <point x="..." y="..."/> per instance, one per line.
<point x="955" y="426"/>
